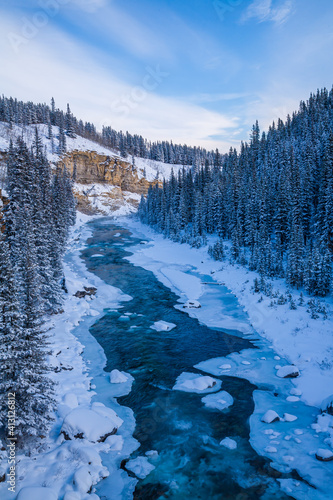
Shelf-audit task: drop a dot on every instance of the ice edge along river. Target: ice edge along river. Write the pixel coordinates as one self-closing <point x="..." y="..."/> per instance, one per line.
<point x="302" y="431"/>
<point x="290" y="443"/>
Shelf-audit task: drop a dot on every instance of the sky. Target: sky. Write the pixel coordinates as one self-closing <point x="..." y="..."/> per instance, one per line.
<point x="199" y="72"/>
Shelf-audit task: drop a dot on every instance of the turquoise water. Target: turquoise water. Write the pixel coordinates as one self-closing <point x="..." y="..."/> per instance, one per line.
<point x="190" y="463"/>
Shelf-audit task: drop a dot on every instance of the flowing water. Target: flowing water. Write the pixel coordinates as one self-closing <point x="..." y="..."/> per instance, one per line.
<point x="191" y="464"/>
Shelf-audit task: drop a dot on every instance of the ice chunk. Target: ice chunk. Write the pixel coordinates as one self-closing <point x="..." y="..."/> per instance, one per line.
<point x="289" y="418"/>
<point x="191" y="382"/>
<point x="117" y="377"/>
<point x="162" y="326"/>
<point x="270" y="416"/>
<point x="219" y="400"/>
<point x="292" y="399"/>
<point x="245" y="362"/>
<point x="37" y="493"/>
<point x="151" y="453"/>
<point x="94" y="424"/>
<point x="324" y="455"/>
<point x="140" y="467"/>
<point x="225" y="367"/>
<point x="229" y="443"/>
<point x="289" y="371"/>
<point x="123" y="318"/>
<point x="97" y="255"/>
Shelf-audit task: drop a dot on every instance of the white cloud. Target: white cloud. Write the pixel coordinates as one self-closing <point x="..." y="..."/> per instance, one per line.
<point x="264" y="10"/>
<point x="53" y="64"/>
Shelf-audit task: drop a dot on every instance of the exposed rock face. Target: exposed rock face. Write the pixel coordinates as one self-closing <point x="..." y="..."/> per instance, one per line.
<point x="104" y="183"/>
<point x="118" y="181"/>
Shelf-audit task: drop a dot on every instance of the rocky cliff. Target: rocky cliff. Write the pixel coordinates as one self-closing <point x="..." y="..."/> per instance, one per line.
<point x="104" y="183"/>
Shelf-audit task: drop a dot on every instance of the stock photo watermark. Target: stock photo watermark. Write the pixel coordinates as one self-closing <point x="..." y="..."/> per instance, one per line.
<point x="11" y="445"/>
<point x="30" y="26"/>
<point x="151" y="80"/>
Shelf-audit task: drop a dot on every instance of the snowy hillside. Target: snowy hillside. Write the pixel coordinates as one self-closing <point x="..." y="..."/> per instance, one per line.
<point x="150" y="169"/>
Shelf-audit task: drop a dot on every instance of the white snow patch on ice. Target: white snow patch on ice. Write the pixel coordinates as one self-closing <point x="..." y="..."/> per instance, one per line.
<point x="191" y="382"/>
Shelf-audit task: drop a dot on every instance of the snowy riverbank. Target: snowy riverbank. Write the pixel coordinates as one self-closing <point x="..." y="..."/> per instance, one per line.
<point x="301" y="438"/>
<point x="70" y="468"/>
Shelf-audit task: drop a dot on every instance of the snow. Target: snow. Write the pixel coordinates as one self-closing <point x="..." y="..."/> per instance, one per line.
<point x="324" y="454"/>
<point x="229" y="443"/>
<point x="291" y="337"/>
<point x="93" y="424"/>
<point x="117" y="377"/>
<point x="35" y="493"/>
<point x="270" y="416"/>
<point x="191" y="382"/>
<point x="288" y="371"/>
<point x="140" y="466"/>
<point x="192" y="304"/>
<point x="287" y="417"/>
<point x="86" y="386"/>
<point x="162" y="326"/>
<point x="220" y="400"/>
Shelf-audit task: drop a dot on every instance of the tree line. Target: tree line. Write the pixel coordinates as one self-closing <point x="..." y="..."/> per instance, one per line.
<point x="17" y="112"/>
<point x="35" y="224"/>
<point x="273" y="200"/>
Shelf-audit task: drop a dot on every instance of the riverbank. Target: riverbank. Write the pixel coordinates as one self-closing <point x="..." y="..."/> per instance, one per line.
<point x="287" y="337"/>
<point x="61" y="466"/>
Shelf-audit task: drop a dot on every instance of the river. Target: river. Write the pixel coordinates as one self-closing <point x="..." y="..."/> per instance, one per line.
<point x="191" y="464"/>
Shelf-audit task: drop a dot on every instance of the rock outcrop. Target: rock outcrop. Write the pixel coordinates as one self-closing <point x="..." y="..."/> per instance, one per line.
<point x="104" y="183"/>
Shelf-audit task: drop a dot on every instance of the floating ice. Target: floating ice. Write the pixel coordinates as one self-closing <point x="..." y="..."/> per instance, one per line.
<point x="229" y="443"/>
<point x="219" y="400"/>
<point x="97" y="255"/>
<point x="123" y="318"/>
<point x="140" y="467"/>
<point x="191" y="382"/>
<point x="163" y="326"/>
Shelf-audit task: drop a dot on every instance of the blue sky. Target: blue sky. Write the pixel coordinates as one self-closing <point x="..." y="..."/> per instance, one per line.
<point x="195" y="71"/>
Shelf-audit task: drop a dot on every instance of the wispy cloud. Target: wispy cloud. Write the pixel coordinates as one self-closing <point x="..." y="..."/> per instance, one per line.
<point x="206" y="97"/>
<point x="267" y="10"/>
<point x="92" y="90"/>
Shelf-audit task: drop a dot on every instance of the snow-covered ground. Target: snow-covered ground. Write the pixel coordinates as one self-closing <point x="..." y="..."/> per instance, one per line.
<point x="151" y="168"/>
<point x="291" y="344"/>
<point x="92" y="433"/>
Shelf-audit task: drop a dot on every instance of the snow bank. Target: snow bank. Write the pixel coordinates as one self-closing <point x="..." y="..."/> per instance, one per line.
<point x="35" y="493"/>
